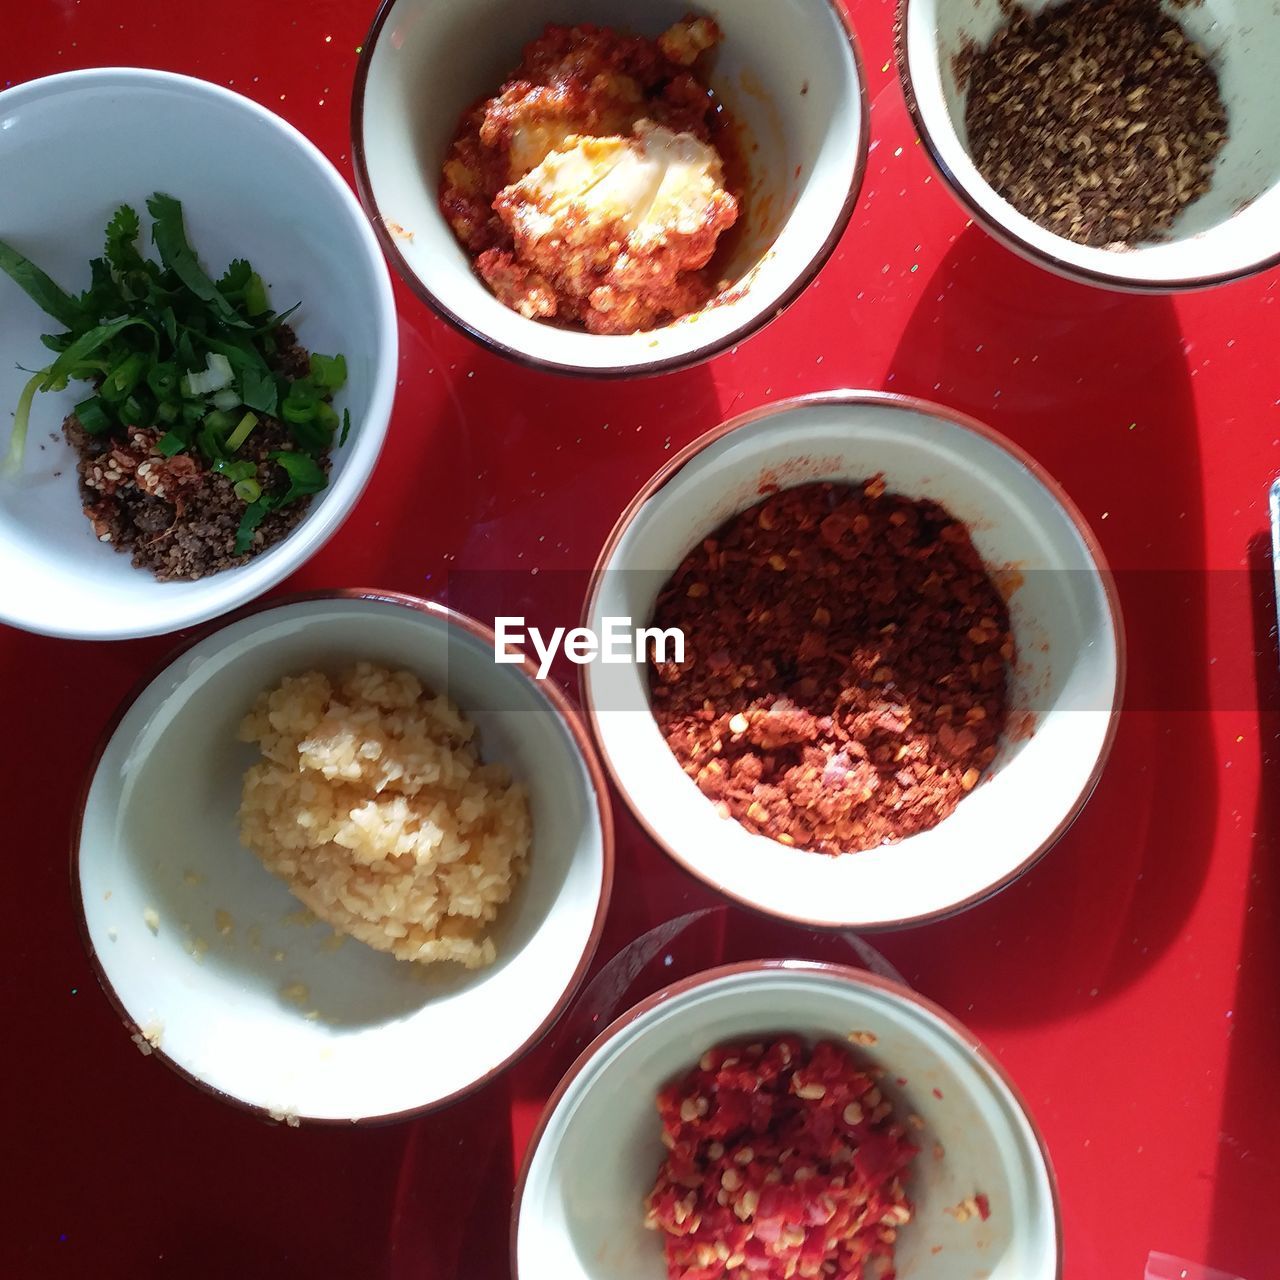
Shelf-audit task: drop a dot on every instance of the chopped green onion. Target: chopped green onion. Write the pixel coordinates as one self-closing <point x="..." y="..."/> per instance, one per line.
<point x="137" y="411"/>
<point x="241" y="433"/>
<point x="120" y="381"/>
<point x="303" y="391"/>
<point x="210" y="442"/>
<point x="329" y="372"/>
<point x="218" y="421"/>
<point x="256" y="302"/>
<point x="248" y="490"/>
<point x="163" y="381"/>
<point x="346" y="426"/>
<point x="168" y="413"/>
<point x="193" y="412"/>
<point x="170" y="443"/>
<point x="227" y="399"/>
<point x="217" y="374"/>
<point x="235" y="471"/>
<point x="327" y="416"/>
<point x="18" y="439"/>
<point x="93" y="417"/>
<point x="298" y="412"/>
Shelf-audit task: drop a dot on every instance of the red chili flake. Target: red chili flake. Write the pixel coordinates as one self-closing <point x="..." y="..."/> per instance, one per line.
<point x="846" y="666"/>
<point x="782" y="1161"/>
<point x="984" y="1206"/>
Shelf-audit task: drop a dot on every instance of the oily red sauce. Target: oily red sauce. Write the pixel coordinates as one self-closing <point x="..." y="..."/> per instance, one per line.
<point x="592" y="81"/>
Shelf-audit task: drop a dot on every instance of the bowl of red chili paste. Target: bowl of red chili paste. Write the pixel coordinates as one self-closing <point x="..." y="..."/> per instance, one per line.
<point x="504" y="153"/>
<point x="902" y="660"/>
<point x="783" y="1119"/>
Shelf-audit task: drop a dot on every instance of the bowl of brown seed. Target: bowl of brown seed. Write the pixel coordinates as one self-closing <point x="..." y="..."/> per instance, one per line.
<point x="1127" y="143"/>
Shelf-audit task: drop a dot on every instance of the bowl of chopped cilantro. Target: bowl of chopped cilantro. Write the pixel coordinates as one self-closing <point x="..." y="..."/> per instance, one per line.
<point x="197" y="347"/>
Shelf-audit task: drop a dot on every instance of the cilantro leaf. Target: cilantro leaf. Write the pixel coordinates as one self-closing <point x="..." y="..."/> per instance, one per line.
<point x="43" y="291"/>
<point x="170" y="238"/>
<point x="254" y="514"/>
<point x="103" y="297"/>
<point x="305" y="475"/>
<point x="236" y="278"/>
<point x="122" y="235"/>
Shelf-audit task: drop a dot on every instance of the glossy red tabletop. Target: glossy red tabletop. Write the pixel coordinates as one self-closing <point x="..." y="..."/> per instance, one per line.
<point x="1129" y="983"/>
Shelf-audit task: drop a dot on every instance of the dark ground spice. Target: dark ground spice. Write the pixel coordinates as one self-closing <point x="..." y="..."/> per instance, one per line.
<point x="174" y="516"/>
<point x="1099" y="119"/>
<point x="846" y="663"/>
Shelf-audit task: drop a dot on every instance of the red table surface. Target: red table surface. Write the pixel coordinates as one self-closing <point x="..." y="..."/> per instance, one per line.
<point x="1128" y="983"/>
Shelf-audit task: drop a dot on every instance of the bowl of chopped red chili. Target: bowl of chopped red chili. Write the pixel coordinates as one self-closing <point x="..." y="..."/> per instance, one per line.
<point x="902" y="660"/>
<point x="1125" y="143"/>
<point x="606" y="190"/>
<point x="200" y="382"/>
<point x="781" y="1119"/>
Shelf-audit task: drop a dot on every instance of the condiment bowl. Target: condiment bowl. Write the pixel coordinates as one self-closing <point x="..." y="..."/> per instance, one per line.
<point x="210" y="960"/>
<point x="1065" y="689"/>
<point x="790" y="72"/>
<point x="579" y="1211"/>
<point x="1227" y="233"/>
<point x="251" y="187"/>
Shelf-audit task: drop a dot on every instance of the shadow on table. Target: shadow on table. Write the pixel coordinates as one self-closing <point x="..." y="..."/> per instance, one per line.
<point x="1249" y="1130"/>
<point x="1094" y="384"/>
<point x="452" y="1209"/>
<point x="533" y="467"/>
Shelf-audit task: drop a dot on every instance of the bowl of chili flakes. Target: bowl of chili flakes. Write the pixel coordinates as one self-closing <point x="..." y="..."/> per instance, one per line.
<point x="785" y="1118"/>
<point x="967" y="796"/>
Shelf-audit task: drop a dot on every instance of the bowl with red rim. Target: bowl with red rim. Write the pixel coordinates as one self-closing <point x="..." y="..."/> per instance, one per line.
<point x="1065" y="686"/>
<point x="210" y="961"/>
<point x="981" y="1188"/>
<point x="304" y="230"/>
<point x="788" y="70"/>
<point x="1227" y="233"/>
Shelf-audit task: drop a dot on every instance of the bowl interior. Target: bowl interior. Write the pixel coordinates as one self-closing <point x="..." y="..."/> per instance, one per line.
<point x="160" y="832"/>
<point x="1226" y="231"/>
<point x="1065" y="678"/>
<point x="786" y="69"/>
<point x="581" y="1216"/>
<point x="302" y="229"/>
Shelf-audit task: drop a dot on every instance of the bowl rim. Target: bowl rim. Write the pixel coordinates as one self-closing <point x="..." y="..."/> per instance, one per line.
<point x="384" y="360"/>
<point x="525" y="669"/>
<point x="952" y="417"/>
<point x="1010" y="238"/>
<point x="749" y="328"/>
<point x="814" y="968"/>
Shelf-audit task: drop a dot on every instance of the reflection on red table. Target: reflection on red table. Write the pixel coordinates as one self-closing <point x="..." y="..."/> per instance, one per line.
<point x="1129" y="983"/>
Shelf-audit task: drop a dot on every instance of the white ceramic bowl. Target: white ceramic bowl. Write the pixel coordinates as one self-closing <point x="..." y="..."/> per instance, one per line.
<point x="251" y="186"/>
<point x="579" y="1212"/>
<point x="1065" y="620"/>
<point x="1229" y="232"/>
<point x="158" y="830"/>
<point x="788" y="69"/>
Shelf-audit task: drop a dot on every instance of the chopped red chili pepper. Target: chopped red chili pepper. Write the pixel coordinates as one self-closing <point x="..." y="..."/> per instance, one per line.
<point x="846" y="666"/>
<point x="783" y="1161"/>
